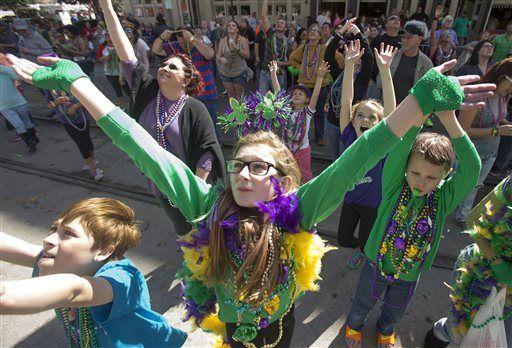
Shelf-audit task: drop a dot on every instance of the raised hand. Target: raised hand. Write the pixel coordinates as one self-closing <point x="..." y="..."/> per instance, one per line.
<point x="272" y="67"/>
<point x="104" y="4"/>
<point x="187" y="35"/>
<point x="473" y="94"/>
<point x="348" y="24"/>
<point x="323" y="70"/>
<point x="439" y="11"/>
<point x="59" y="74"/>
<point x="384" y="57"/>
<point x="353" y="52"/>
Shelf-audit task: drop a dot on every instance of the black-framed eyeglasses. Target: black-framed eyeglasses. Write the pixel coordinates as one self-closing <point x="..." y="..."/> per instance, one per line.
<point x="259" y="168"/>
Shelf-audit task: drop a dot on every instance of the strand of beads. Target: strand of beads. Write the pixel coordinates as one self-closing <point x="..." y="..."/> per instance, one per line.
<point x="165" y="119"/>
<point x="408" y="243"/>
<point x="62" y="315"/>
<point x="86" y="329"/>
<point x="313" y="63"/>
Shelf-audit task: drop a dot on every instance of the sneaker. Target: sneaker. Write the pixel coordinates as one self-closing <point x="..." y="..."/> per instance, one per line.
<point x="354" y="260"/>
<point x="97" y="174"/>
<point x="353" y="338"/>
<point x="16" y="137"/>
<point x="385" y="341"/>
<point x="87" y="167"/>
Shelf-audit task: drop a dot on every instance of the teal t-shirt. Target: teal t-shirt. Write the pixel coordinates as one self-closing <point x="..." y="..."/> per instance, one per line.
<point x="10" y="96"/>
<point x="460" y="26"/>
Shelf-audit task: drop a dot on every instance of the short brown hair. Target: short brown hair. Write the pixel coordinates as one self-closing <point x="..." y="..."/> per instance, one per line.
<point x="373" y="102"/>
<point x="109" y="221"/>
<point x="435" y="148"/>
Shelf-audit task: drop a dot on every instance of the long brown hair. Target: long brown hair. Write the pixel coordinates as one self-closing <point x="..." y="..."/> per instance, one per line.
<point x="262" y="239"/>
<point x="497" y="73"/>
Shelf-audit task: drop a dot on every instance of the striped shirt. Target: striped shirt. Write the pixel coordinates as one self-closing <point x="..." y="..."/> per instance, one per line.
<point x="203" y="65"/>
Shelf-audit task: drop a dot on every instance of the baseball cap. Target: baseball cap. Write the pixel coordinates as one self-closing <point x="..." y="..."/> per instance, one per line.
<point x="415" y="28"/>
<point x="20" y="24"/>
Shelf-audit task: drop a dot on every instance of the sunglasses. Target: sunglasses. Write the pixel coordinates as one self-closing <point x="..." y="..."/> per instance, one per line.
<point x="259" y="168"/>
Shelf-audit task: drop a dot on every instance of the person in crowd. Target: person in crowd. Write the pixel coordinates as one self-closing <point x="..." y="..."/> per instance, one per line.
<point x="300" y="38"/>
<point x="419" y="15"/>
<point x="361" y="204"/>
<point x="202" y="55"/>
<point x="30" y="44"/>
<point x="206" y="32"/>
<point x="8" y="39"/>
<point x="479" y="268"/>
<point x="326" y="33"/>
<point x="232" y="53"/>
<point x="446" y="25"/>
<point x="61" y="45"/>
<point x="78" y="49"/>
<point x="247" y="32"/>
<point x="336" y="21"/>
<point x="502" y="44"/>
<point x="441" y="49"/>
<point x="373" y="33"/>
<point x="306" y="58"/>
<point x="406" y="234"/>
<point x="100" y="298"/>
<point x="276" y="48"/>
<point x="75" y="120"/>
<point x="321" y="18"/>
<point x="409" y="64"/>
<point x="480" y="60"/>
<point x="304" y="106"/>
<point x="220" y="31"/>
<point x="461" y="25"/>
<point x="253" y="20"/>
<point x="389" y="37"/>
<point x="486" y="127"/>
<point x="160" y="25"/>
<point x="14" y="107"/>
<point x="349" y="31"/>
<point x="165" y="108"/>
<point x="262" y="170"/>
<point x="141" y="48"/>
<point x="110" y="61"/>
<point x="87" y="31"/>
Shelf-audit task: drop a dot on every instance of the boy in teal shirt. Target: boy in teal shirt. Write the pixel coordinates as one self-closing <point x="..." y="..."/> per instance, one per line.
<point x="418" y="199"/>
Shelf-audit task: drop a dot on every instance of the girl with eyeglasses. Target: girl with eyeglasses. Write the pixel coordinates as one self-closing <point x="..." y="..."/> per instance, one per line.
<point x="164" y="107"/>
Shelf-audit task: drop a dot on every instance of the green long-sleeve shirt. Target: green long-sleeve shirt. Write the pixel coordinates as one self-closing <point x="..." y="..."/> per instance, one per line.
<point x="195" y="198"/>
<point x="452" y="192"/>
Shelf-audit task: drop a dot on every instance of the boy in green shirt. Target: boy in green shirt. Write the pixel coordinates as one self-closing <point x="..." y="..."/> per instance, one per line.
<point x="417" y="196"/>
<point x="502" y="44"/>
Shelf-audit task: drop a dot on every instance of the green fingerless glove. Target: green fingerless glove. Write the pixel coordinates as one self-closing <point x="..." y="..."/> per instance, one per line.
<point x="436" y="92"/>
<point x="58" y="77"/>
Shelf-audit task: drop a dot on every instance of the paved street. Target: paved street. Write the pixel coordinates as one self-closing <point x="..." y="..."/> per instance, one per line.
<point x="35" y="188"/>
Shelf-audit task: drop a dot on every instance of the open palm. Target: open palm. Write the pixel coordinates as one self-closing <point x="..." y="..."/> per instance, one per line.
<point x="384" y="57"/>
<point x="353" y="52"/>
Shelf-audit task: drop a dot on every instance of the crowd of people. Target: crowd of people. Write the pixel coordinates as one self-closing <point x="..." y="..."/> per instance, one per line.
<point x="247" y="227"/>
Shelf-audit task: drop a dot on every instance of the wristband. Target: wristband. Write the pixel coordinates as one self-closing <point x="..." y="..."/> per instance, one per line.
<point x="495" y="132"/>
<point x="58" y="77"/>
<point x="436" y="18"/>
<point x="436" y="92"/>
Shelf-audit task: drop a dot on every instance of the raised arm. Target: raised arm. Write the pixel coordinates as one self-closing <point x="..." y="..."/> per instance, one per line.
<point x="193" y="196"/>
<point x="121" y="42"/>
<point x="17" y="251"/>
<point x="433" y="41"/>
<point x="322" y="195"/>
<point x="323" y="70"/>
<point x="206" y="50"/>
<point x="384" y="59"/>
<point x="53" y="291"/>
<point x="352" y="54"/>
<point x="272" y="68"/>
<point x="264" y="17"/>
<point x="158" y="44"/>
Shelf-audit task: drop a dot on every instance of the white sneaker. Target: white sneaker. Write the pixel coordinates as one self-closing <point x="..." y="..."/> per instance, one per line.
<point x="87" y="168"/>
<point x="97" y="174"/>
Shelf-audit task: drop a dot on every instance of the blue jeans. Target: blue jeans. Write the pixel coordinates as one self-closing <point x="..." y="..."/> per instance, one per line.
<point x="319" y="116"/>
<point x="396" y="299"/>
<point x="211" y="106"/>
<point x="19" y="118"/>
<point x="466" y="205"/>
<point x="333" y="138"/>
<point x="265" y="83"/>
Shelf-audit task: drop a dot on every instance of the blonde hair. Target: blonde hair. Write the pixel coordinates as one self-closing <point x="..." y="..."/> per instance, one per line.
<point x="372" y="102"/>
<point x="110" y="222"/>
<point x="257" y="233"/>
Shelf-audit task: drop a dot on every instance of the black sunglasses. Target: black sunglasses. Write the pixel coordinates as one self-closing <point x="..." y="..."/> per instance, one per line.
<point x="259" y="168"/>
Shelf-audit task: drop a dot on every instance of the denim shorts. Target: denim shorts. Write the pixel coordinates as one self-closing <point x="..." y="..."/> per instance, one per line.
<point x="239" y="80"/>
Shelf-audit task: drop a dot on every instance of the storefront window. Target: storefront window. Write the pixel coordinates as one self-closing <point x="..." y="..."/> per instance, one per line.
<point x="245" y="10"/>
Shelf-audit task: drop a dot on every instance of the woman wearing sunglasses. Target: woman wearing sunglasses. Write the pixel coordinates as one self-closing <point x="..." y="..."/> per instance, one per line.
<point x="165" y="108"/>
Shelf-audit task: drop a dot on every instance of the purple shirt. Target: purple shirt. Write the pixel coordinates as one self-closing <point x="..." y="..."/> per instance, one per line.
<point x="368" y="191"/>
<point x="172" y="133"/>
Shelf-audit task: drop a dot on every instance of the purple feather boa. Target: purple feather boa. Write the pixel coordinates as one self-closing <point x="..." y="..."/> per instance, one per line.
<point x="283" y="210"/>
